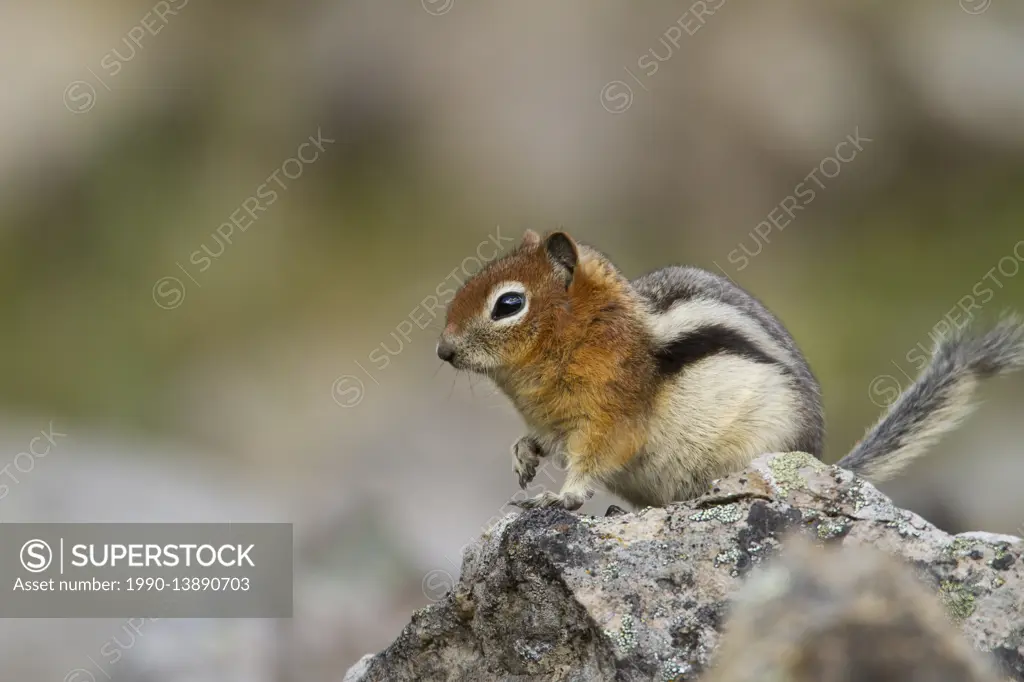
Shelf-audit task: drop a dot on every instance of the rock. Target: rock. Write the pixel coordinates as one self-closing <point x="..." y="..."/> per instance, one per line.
<point x="550" y="595"/>
<point x="828" y="616"/>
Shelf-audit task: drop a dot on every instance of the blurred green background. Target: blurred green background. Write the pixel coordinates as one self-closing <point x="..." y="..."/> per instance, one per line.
<point x="252" y="388"/>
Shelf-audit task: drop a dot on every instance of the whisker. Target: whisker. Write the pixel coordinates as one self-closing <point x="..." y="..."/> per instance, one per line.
<point x="454" y="378"/>
<point x="439" y="366"/>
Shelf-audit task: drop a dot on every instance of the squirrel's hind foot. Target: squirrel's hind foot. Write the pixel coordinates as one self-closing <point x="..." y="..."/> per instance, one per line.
<point x="548" y="499"/>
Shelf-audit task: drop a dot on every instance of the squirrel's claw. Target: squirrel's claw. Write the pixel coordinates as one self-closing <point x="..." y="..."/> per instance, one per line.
<point x="548" y="499"/>
<point x="544" y="500"/>
<point x="527" y="453"/>
<point x="526" y="474"/>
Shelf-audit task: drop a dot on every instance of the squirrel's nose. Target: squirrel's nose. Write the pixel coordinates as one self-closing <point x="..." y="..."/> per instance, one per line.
<point x="445" y="351"/>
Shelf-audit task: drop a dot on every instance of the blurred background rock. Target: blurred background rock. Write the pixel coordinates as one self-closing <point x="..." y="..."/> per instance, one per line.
<point x="662" y="132"/>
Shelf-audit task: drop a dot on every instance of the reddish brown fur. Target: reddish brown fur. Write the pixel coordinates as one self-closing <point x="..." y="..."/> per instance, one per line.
<point x="578" y="366"/>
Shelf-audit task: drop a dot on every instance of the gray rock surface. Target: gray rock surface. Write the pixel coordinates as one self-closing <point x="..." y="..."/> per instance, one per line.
<point x="839" y="615"/>
<point x="550" y="595"/>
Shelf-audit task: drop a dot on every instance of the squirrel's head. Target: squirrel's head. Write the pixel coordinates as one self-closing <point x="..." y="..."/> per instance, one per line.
<point x="496" y="319"/>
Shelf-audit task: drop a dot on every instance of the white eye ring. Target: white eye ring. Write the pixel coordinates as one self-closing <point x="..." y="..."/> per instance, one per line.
<point x="501" y="290"/>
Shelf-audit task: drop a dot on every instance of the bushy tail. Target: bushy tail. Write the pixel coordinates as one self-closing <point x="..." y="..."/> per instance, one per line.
<point x="938" y="401"/>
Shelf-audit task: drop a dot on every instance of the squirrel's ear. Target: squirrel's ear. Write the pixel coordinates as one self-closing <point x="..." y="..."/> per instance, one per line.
<point x="562" y="250"/>
<point x="531" y="238"/>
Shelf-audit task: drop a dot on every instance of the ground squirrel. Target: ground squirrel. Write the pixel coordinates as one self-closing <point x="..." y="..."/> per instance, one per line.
<point x="654" y="387"/>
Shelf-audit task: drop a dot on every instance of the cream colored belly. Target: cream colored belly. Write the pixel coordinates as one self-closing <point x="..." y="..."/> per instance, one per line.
<point x="711" y="420"/>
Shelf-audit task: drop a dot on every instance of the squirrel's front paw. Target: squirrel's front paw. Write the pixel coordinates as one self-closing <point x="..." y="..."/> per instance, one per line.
<point x="568" y="501"/>
<point x="526" y="452"/>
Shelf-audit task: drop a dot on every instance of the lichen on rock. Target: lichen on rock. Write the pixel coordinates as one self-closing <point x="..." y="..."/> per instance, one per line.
<point x="786" y="468"/>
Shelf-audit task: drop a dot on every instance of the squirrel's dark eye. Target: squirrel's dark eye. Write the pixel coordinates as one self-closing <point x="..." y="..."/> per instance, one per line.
<point x="507" y="305"/>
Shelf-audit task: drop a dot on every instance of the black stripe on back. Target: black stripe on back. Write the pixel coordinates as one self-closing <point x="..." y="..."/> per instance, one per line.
<point x="704" y="342"/>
